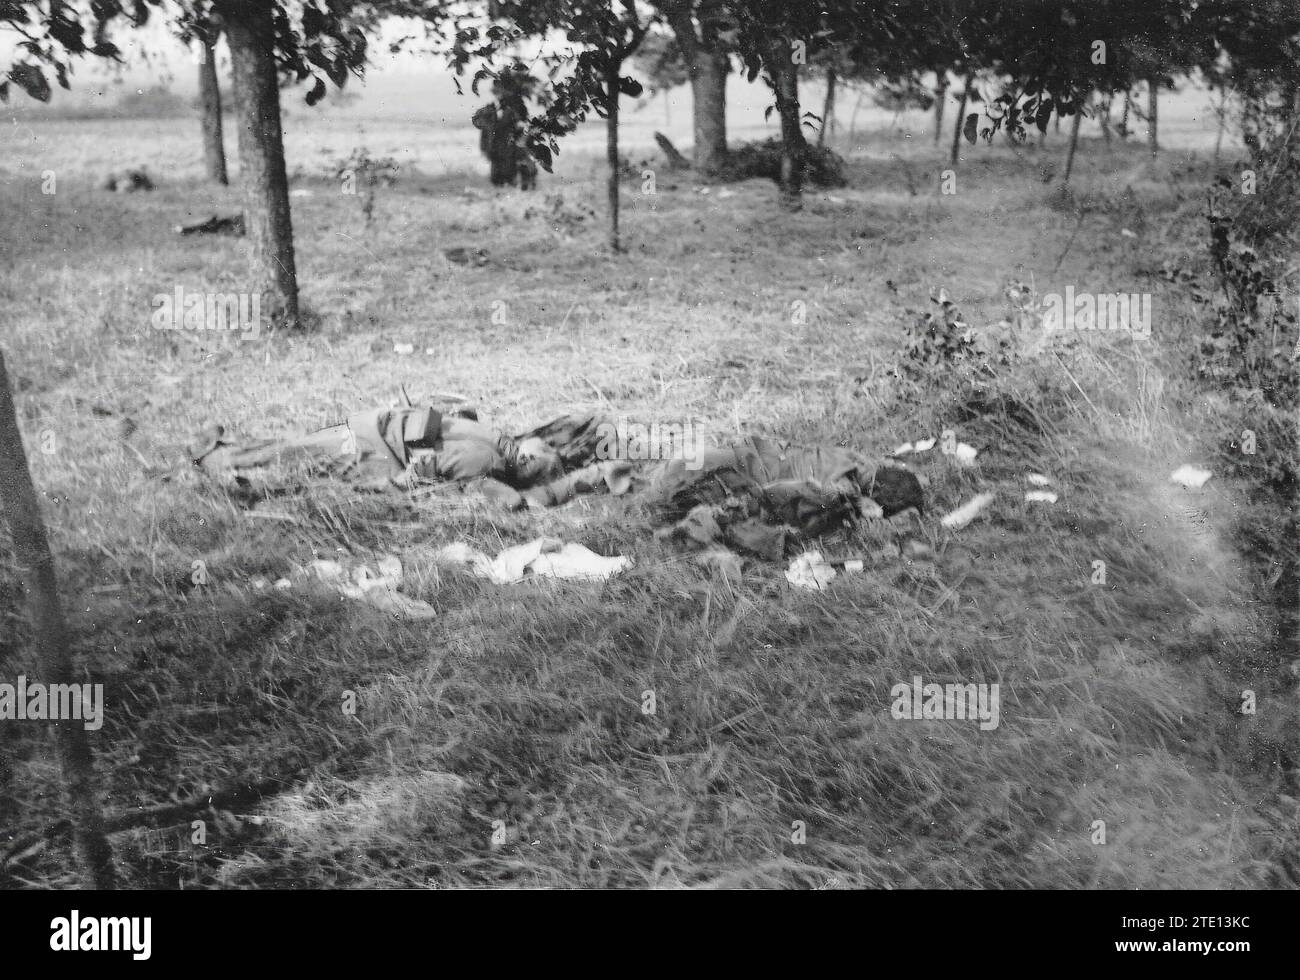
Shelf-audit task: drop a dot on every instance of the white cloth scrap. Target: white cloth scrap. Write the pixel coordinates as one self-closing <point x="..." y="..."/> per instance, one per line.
<point x="1190" y="476"/>
<point x="920" y="446"/>
<point x="810" y="571"/>
<point x="539" y="558"/>
<point x="378" y="589"/>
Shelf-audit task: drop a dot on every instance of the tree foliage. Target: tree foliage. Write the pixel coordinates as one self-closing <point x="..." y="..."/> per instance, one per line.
<point x="315" y="40"/>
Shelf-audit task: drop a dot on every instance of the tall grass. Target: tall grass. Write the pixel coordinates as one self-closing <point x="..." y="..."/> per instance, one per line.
<point x="505" y="742"/>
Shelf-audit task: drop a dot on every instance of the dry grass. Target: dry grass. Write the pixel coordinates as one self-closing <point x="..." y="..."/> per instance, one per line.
<point x="522" y="705"/>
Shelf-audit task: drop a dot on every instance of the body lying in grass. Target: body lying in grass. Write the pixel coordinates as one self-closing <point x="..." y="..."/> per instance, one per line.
<point x="754" y="494"/>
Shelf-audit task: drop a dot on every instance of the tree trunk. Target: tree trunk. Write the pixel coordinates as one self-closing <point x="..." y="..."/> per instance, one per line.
<point x="709" y="97"/>
<point x="50" y="637"/>
<point x="1123" y="121"/>
<point x="611" y="149"/>
<point x="707" y="69"/>
<point x="1250" y="121"/>
<point x="261" y="158"/>
<point x="1152" y="106"/>
<point x="853" y="121"/>
<point x="961" y="120"/>
<point x="1074" y="143"/>
<point x="785" y="84"/>
<point x="1103" y="115"/>
<point x="828" y="108"/>
<point x="214" y="149"/>
<point x="1223" y="121"/>
<point x="940" y="100"/>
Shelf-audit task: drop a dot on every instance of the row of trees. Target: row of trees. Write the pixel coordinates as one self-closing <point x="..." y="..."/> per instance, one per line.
<point x="1021" y="64"/>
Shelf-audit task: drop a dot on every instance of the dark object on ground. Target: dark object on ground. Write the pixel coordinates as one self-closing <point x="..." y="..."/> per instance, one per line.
<point x="675" y="160"/>
<point x="233" y="225"/>
<point x="896" y="489"/>
<point x="466" y="256"/>
<point x="128" y="181"/>
<point x="758" y="495"/>
<point x="500" y="126"/>
<point x="822" y="167"/>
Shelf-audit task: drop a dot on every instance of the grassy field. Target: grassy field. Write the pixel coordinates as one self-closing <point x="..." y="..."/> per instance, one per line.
<point x="503" y="743"/>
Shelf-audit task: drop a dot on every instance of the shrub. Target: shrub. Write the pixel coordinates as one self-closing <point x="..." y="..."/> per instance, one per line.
<point x="940" y="341"/>
<point x="822" y="167"/>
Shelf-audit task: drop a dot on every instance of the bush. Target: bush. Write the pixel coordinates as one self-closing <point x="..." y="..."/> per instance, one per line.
<point x="1253" y="246"/>
<point x="822" y="167"/>
<point x="940" y="342"/>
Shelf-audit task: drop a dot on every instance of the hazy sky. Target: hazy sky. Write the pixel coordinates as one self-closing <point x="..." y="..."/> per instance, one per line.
<point x="407" y="83"/>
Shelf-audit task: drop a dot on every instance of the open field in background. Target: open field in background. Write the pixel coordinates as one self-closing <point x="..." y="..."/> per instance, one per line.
<point x="425" y="126"/>
<point x="522" y="704"/>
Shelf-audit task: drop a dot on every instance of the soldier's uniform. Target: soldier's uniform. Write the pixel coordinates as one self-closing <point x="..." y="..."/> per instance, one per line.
<point x="380" y="448"/>
<point x="752" y="495"/>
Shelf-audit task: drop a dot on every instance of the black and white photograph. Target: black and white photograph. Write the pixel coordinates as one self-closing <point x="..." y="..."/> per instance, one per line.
<point x="643" y="445"/>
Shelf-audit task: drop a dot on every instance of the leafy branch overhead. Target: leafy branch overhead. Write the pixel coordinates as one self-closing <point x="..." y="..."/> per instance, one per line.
<point x="598" y="39"/>
<point x="315" y="41"/>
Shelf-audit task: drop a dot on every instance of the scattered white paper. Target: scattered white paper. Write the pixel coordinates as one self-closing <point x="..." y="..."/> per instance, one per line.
<point x="810" y="571"/>
<point x="965" y="454"/>
<point x="1045" y="496"/>
<point x="1038" y="480"/>
<point x="575" y="561"/>
<point x="967" y="512"/>
<point x="1190" y="476"/>
<point x="541" y="557"/>
<point x="376" y="588"/>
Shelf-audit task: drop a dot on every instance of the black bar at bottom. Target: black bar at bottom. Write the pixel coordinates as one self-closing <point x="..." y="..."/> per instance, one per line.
<point x="300" y="929"/>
